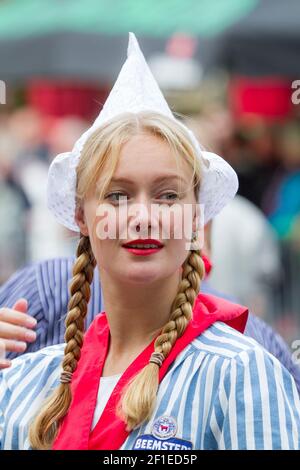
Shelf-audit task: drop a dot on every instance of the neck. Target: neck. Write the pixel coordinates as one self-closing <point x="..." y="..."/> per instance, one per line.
<point x="136" y="313"/>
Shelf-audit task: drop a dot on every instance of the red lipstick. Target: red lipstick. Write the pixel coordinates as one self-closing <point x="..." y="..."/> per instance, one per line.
<point x="142" y="247"/>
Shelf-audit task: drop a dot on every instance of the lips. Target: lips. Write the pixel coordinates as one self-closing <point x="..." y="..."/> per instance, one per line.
<point x="143" y="247"/>
<point x="143" y="244"/>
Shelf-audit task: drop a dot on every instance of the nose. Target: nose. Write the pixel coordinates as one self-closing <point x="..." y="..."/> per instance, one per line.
<point x="142" y="220"/>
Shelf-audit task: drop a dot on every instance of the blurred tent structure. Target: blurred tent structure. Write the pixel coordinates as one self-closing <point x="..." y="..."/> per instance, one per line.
<point x="266" y="41"/>
<point x="74" y="38"/>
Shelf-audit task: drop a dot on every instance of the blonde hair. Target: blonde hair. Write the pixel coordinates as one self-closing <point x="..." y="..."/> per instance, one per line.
<point x="101" y="152"/>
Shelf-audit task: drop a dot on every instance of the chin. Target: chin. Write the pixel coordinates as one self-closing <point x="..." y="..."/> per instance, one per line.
<point x="142" y="277"/>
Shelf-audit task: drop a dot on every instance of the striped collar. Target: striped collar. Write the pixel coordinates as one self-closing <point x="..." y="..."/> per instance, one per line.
<point x="109" y="432"/>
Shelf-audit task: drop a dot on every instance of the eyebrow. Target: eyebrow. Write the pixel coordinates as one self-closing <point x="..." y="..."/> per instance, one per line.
<point x="156" y="180"/>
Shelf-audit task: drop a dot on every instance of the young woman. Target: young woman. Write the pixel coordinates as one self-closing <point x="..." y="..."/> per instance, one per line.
<point x="164" y="367"/>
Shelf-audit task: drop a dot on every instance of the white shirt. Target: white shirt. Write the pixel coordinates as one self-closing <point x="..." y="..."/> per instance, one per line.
<point x="106" y="386"/>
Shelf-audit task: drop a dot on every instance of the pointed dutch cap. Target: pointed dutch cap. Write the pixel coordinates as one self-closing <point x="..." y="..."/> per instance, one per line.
<point x="136" y="90"/>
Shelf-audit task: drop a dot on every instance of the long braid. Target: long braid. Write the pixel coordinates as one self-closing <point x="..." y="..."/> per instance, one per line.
<point x="137" y="403"/>
<point x="44" y="428"/>
<point x="83" y="271"/>
<point x="182" y="306"/>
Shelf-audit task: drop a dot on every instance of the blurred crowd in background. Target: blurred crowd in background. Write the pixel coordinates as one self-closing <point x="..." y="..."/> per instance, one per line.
<point x="251" y="121"/>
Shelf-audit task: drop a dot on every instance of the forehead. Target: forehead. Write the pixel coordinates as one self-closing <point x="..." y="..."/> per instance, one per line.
<point x="149" y="157"/>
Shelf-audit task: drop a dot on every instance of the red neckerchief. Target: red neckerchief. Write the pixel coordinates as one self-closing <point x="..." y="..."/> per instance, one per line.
<point x="207" y="265"/>
<point x="110" y="433"/>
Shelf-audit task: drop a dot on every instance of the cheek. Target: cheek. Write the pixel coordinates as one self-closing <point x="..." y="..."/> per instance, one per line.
<point x="178" y="222"/>
<point x="105" y="252"/>
<point x="176" y="252"/>
<point x="108" y="229"/>
<point x="111" y="223"/>
<point x="122" y="223"/>
<point x="96" y="220"/>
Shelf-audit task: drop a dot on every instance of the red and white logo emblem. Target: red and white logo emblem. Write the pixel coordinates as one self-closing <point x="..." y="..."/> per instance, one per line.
<point x="164" y="427"/>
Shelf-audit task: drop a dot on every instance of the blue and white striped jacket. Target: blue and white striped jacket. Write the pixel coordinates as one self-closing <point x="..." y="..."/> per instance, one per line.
<point x="223" y="390"/>
<point x="44" y="285"/>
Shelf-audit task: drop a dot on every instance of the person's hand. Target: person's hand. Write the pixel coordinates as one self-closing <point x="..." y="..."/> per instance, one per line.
<point x="15" y="330"/>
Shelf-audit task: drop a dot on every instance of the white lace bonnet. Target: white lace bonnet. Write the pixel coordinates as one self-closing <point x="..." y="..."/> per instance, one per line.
<point x="135" y="90"/>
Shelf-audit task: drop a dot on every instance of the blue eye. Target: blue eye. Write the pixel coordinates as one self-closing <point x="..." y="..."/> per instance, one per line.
<point x="119" y="197"/>
<point x="170" y="196"/>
